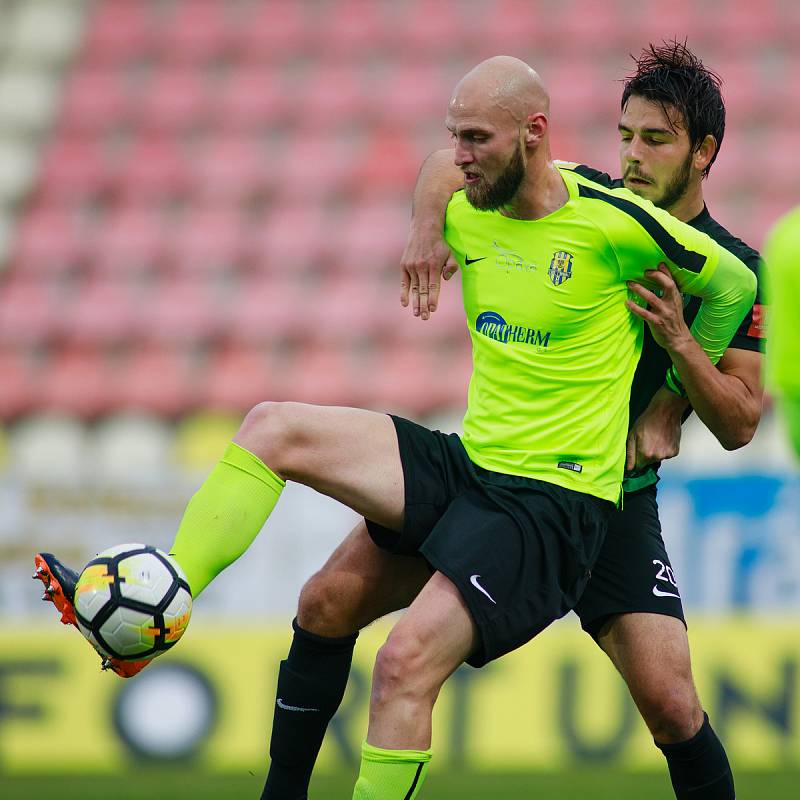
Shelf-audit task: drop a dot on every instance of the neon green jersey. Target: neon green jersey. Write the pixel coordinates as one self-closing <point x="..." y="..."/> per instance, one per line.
<point x="782" y="258"/>
<point x="554" y="346"/>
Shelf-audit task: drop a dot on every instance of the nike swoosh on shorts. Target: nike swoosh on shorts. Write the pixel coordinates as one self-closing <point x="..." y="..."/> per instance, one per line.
<point x="286" y="707"/>
<point x="473" y="579"/>
<point x="661" y="593"/>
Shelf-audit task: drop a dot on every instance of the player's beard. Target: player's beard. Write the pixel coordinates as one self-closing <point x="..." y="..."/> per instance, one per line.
<point x="677" y="186"/>
<point x="487" y="196"/>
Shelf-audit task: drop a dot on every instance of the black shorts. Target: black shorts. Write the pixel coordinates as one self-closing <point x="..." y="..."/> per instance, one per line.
<point x="519" y="550"/>
<point x="632" y="572"/>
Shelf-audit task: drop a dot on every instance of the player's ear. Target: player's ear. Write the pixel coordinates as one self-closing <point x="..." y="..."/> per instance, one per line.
<point x="535" y="128"/>
<point x="704" y="153"/>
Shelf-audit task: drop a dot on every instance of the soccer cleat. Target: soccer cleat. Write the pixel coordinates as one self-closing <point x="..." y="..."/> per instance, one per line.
<point x="59" y="582"/>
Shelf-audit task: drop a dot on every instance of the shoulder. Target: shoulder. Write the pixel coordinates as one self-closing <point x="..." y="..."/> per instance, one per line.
<point x="749" y="255"/>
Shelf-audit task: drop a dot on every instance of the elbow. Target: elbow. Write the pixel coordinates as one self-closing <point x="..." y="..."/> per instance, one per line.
<point x="740" y="435"/>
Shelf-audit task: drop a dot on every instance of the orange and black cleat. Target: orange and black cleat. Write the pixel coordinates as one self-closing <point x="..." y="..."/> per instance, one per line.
<point x="59" y="588"/>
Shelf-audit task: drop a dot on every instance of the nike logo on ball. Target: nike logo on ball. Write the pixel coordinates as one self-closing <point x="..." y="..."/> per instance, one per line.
<point x="286" y="707"/>
<point x="473" y="579"/>
<point x="661" y="593"/>
<point x="469" y="261"/>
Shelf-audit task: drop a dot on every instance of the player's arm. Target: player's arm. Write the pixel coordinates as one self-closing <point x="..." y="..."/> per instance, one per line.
<point x="727" y="398"/>
<point x="426" y="256"/>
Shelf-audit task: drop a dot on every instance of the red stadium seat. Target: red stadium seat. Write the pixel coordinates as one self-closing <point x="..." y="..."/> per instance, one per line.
<point x="413" y="93"/>
<point x="19" y="388"/>
<point x="268" y="309"/>
<point x="129" y="240"/>
<point x="389" y="164"/>
<point x="77" y="382"/>
<point x="293" y="236"/>
<point x="344" y="311"/>
<point x="102" y="313"/>
<point x="153" y="168"/>
<point x="323" y="375"/>
<point x="209" y="238"/>
<point x="355" y="28"/>
<point x="371" y="238"/>
<point x="158" y="380"/>
<point x="253" y="98"/>
<point x="120" y="30"/>
<point x="236" y="379"/>
<point x="48" y="240"/>
<point x="200" y="30"/>
<point x="433" y="29"/>
<point x="314" y="159"/>
<point x="339" y="95"/>
<point x="275" y="30"/>
<point x="181" y="312"/>
<point x="97" y="100"/>
<point x="231" y="168"/>
<point x="177" y="99"/>
<point x="29" y="312"/>
<point x="510" y="26"/>
<point x="75" y="169"/>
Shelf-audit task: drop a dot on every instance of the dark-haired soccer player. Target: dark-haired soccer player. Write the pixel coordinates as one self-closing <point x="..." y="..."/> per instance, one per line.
<point x="782" y="251"/>
<point x="671" y="128"/>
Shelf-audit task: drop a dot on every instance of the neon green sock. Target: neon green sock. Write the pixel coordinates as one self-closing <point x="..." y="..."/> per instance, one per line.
<point x="390" y="774"/>
<point x="225" y="515"/>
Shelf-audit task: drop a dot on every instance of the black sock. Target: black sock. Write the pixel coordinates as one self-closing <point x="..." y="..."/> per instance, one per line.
<point x="699" y="768"/>
<point x="311" y="684"/>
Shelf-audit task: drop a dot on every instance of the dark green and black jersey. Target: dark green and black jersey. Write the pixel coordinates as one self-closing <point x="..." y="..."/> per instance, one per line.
<point x="654" y="361"/>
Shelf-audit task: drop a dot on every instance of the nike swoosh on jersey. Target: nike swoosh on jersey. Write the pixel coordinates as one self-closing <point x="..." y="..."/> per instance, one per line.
<point x="661" y="593"/>
<point x="469" y="261"/>
<point x="286" y="707"/>
<point x="473" y="579"/>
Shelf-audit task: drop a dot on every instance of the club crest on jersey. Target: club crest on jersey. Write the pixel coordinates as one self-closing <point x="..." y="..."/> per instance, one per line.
<point x="560" y="267"/>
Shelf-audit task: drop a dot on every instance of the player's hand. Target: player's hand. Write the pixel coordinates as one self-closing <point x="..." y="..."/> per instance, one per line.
<point x="656" y="435"/>
<point x="664" y="312"/>
<point x="425" y="259"/>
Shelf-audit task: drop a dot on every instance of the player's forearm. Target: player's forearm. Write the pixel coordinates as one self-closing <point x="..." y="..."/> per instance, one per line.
<point x="723" y="402"/>
<point x="438" y="179"/>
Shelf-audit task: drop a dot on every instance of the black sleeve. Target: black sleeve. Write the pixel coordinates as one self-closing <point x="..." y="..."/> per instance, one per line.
<point x="603" y="178"/>
<point x="751" y="334"/>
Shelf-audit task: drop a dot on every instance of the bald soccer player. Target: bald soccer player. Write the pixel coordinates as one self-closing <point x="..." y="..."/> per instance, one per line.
<point x="510" y="517"/>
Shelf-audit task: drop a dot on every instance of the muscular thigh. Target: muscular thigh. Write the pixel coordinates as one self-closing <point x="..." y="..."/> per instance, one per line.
<point x="358" y="584"/>
<point x="349" y="454"/>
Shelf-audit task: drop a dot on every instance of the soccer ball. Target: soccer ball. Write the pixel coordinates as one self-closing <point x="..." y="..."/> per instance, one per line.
<point x="132" y="602"/>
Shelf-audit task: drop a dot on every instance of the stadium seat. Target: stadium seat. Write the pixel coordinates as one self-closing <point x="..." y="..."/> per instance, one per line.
<point x="313" y="159"/>
<point x="177" y="99"/>
<point x="253" y="98"/>
<point x="76" y="382"/>
<point x="293" y="236"/>
<point x="181" y="311"/>
<point x="267" y="309"/>
<point x="154" y="167"/>
<point x="29" y="312"/>
<point x="336" y="95"/>
<point x="198" y="31"/>
<point x="18" y="394"/>
<point x="274" y="31"/>
<point x="231" y="168"/>
<point x="389" y="164"/>
<point x="50" y="450"/>
<point x="371" y="238"/>
<point x="102" y="313"/>
<point x="236" y="379"/>
<point x="28" y="99"/>
<point x="75" y="169"/>
<point x="157" y="380"/>
<point x="129" y="240"/>
<point x="344" y="310"/>
<point x="413" y="93"/>
<point x="120" y="30"/>
<point x="131" y="449"/>
<point x="435" y="29"/>
<point x="355" y="29"/>
<point x="49" y="240"/>
<point x="208" y="238"/>
<point x="97" y="100"/>
<point x="324" y="375"/>
<point x="509" y="26"/>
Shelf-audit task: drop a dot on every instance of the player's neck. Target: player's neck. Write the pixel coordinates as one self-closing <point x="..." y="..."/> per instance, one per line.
<point x="688" y="205"/>
<point x="542" y="192"/>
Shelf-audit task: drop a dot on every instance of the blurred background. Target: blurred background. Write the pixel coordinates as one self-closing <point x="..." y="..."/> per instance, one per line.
<point x="202" y="205"/>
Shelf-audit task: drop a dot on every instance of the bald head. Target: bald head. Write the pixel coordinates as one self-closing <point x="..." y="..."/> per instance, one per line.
<point x="503" y="85"/>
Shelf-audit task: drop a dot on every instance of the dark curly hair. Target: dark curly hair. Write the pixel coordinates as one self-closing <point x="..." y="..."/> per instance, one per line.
<point x="675" y="78"/>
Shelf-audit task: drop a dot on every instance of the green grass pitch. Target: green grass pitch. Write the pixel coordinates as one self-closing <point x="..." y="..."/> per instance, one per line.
<point x="185" y="783"/>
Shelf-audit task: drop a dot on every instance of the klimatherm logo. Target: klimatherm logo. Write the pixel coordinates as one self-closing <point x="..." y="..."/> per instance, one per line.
<point x="493" y="326"/>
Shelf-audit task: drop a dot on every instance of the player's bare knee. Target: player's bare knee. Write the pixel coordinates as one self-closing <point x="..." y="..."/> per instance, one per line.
<point x="401" y="670"/>
<point x="325" y="607"/>
<point x="673" y="714"/>
<point x="271" y="430"/>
